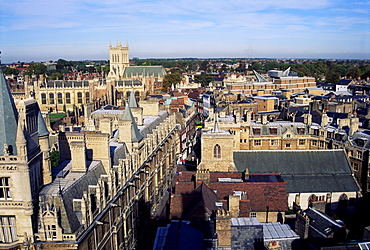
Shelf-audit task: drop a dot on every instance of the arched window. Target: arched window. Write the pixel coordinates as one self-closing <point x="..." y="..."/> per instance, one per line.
<point x="68" y="98"/>
<point x="343" y="201"/>
<point x="43" y="98"/>
<point x="311" y="200"/>
<point x="217" y="151"/>
<point x="51" y="98"/>
<point x="87" y="96"/>
<point x="60" y="98"/>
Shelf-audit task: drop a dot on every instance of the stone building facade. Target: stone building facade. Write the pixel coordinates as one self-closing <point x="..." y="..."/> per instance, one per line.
<point x="110" y="185"/>
<point x="63" y="95"/>
<point x="24" y="167"/>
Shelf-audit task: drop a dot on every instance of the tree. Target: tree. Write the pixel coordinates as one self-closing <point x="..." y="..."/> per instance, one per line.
<point x="332" y="77"/>
<point x="54" y="158"/>
<point x="10" y="71"/>
<point x="203" y="79"/>
<point x="169" y="79"/>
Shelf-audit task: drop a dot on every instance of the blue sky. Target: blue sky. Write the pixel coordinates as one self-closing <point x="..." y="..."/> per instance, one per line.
<point x="43" y="30"/>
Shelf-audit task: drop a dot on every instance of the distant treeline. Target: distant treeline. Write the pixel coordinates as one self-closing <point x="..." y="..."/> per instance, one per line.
<point x="330" y="70"/>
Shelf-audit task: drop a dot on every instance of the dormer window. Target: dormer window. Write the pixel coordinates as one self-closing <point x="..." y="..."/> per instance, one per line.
<point x="338" y="137"/>
<point x="360" y="142"/>
<point x="256" y="131"/>
<point x="300" y="131"/>
<point x="273" y="131"/>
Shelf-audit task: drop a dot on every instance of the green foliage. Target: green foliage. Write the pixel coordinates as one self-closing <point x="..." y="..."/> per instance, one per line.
<point x="169" y="79"/>
<point x="204" y="79"/>
<point x="10" y="71"/>
<point x="332" y="77"/>
<point x="36" y="69"/>
<point x="54" y="158"/>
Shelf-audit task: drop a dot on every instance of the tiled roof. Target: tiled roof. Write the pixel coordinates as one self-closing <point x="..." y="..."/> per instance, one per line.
<point x="203" y="197"/>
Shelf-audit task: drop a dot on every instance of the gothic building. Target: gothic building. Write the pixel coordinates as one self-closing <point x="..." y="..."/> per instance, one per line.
<point x="62" y="95"/>
<point x="24" y="167"/>
<point x="112" y="181"/>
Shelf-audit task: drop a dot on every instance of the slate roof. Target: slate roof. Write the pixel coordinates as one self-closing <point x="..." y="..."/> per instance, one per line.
<point x="70" y="187"/>
<point x="281" y="126"/>
<point x="304" y="171"/>
<point x="8" y="117"/>
<point x="156" y="71"/>
<point x="322" y="223"/>
<point x="179" y="236"/>
<point x="344" y="82"/>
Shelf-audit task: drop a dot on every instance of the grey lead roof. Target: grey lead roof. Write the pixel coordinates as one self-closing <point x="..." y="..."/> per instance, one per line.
<point x="8" y="117"/>
<point x="303" y="170"/>
<point x="147" y="71"/>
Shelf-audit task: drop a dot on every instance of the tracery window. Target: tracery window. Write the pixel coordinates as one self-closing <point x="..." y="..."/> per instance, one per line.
<point x="5" y="188"/>
<point x="8" y="229"/>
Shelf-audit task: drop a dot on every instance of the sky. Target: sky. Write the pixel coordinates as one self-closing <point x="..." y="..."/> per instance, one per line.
<point x="44" y="30"/>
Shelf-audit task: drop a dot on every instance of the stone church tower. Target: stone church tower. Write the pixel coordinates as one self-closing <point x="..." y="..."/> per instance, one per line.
<point x="119" y="59"/>
<point x="217" y="150"/>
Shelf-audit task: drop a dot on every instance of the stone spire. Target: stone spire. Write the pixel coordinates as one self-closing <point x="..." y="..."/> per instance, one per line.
<point x="21" y="142"/>
<point x="42" y="128"/>
<point x="132" y="103"/>
<point x="8" y="117"/>
<point x="135" y="133"/>
<point x="216" y="126"/>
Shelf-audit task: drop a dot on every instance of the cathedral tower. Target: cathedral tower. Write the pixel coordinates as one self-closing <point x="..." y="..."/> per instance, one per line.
<point x="119" y="59"/>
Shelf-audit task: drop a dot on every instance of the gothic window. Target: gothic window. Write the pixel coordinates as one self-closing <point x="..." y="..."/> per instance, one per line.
<point x="51" y="98"/>
<point x="311" y="200"/>
<point x="51" y="232"/>
<point x="68" y="98"/>
<point x="359" y="155"/>
<point x="5" y="188"/>
<point x="355" y="167"/>
<point x="316" y="132"/>
<point x="79" y="97"/>
<point x="217" y="151"/>
<point x="287" y="145"/>
<point x="43" y="98"/>
<point x="8" y="229"/>
<point x="60" y="98"/>
<point x="87" y="96"/>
